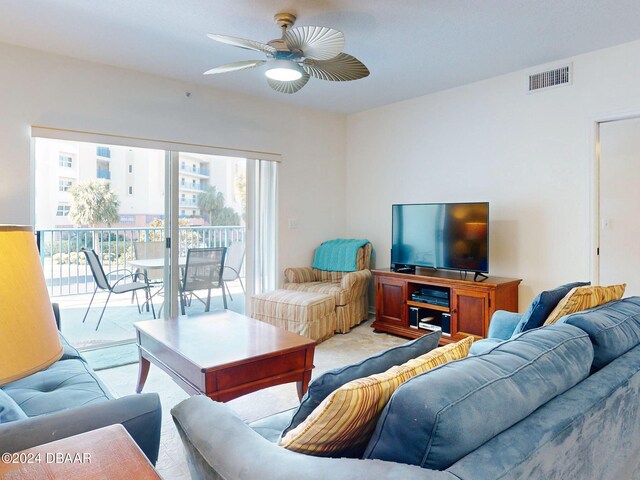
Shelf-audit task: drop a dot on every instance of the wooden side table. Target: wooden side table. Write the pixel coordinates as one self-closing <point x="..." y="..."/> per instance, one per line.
<point x="105" y="453"/>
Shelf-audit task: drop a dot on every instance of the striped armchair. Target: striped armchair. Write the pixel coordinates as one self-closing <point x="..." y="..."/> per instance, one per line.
<point x="348" y="288"/>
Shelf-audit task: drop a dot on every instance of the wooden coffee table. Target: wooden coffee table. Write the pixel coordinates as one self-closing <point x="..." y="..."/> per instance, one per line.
<point x="223" y="354"/>
<point x="107" y="452"/>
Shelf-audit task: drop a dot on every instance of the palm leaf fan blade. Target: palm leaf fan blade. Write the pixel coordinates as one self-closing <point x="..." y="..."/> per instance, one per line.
<point x="342" y="68"/>
<point x="242" y="43"/>
<point x="233" y="67"/>
<point x="318" y="43"/>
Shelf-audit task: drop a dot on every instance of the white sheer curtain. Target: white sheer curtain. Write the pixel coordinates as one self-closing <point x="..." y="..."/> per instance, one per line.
<point x="262" y="226"/>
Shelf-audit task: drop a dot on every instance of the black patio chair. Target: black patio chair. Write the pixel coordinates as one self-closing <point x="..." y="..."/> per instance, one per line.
<point x="203" y="271"/>
<point x="118" y="287"/>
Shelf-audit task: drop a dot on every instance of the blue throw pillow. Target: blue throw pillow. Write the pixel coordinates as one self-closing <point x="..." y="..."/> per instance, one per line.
<point x="321" y="387"/>
<point x="9" y="409"/>
<point x="543" y="305"/>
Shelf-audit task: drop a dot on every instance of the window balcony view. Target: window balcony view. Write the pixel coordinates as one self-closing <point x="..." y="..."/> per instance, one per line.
<point x="111" y="202"/>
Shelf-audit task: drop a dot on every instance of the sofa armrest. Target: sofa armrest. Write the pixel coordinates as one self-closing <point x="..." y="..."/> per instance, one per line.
<point x="503" y="324"/>
<point x="221" y="446"/>
<point x="299" y="275"/>
<point x="356" y="283"/>
<point x="141" y="416"/>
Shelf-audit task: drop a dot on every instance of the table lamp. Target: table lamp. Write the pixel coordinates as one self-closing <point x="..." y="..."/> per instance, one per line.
<point x="29" y="340"/>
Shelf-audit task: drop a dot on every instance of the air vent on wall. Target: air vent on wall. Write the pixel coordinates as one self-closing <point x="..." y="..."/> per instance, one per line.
<point x="550" y="78"/>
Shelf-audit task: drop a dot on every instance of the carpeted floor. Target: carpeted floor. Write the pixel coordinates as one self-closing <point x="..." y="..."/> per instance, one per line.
<point x="339" y="350"/>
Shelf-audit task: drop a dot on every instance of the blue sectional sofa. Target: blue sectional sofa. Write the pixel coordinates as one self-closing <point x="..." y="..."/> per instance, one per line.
<point x="68" y="398"/>
<point x="554" y="402"/>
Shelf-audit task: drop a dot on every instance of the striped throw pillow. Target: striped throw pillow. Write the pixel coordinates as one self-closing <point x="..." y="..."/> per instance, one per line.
<point x="344" y="421"/>
<point x="583" y="298"/>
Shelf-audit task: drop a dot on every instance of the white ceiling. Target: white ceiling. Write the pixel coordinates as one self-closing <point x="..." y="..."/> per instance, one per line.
<point x="412" y="47"/>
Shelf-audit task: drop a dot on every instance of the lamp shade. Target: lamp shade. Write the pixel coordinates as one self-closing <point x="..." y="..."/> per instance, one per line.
<point x="29" y="339"/>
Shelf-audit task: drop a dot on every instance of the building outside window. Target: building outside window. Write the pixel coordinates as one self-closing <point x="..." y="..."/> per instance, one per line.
<point x="104" y="152"/>
<point x="65" y="160"/>
<point x="130" y="190"/>
<point x="63" y="210"/>
<point x="64" y="184"/>
<point x="130" y="168"/>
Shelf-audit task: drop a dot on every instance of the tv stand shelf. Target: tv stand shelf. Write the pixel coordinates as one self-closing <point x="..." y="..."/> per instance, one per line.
<point x="470" y="303"/>
<point x="428" y="305"/>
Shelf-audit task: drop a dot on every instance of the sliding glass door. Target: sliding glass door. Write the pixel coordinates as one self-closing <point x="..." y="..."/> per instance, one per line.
<point x="212" y="212"/>
<point x="140" y="214"/>
<point x="100" y="214"/>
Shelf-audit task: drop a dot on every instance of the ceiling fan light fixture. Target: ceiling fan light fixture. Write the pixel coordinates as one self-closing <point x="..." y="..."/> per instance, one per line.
<point x="283" y="70"/>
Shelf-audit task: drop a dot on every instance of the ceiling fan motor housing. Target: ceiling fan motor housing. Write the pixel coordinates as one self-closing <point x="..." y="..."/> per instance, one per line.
<point x="294" y="55"/>
<point x="284" y="19"/>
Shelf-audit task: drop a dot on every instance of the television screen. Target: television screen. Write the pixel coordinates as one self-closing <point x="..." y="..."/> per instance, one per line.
<point x="453" y="236"/>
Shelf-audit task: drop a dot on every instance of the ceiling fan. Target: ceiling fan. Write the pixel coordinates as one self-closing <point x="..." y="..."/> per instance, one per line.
<point x="300" y="53"/>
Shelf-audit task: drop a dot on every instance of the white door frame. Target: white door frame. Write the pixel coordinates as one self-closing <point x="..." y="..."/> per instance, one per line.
<point x="594" y="193"/>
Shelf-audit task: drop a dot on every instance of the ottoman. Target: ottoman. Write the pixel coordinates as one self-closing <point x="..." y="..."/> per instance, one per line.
<point x="312" y="315"/>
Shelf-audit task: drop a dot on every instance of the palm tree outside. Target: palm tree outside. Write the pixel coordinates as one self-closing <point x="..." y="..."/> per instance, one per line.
<point x="211" y="203"/>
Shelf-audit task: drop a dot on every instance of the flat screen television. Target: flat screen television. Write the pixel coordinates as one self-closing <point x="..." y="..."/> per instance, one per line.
<point x="451" y="236"/>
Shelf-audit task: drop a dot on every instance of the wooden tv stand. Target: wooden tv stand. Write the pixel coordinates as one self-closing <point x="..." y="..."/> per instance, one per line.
<point x="470" y="304"/>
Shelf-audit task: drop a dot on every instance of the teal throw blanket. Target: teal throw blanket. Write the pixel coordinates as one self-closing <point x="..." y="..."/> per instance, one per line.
<point x="338" y="255"/>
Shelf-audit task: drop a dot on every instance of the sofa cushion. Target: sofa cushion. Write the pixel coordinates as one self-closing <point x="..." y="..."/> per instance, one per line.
<point x="583" y="298"/>
<point x="614" y="328"/>
<point x="329" y="381"/>
<point x="343" y="422"/>
<point x="543" y="305"/>
<point x="465" y="403"/>
<point x="9" y="409"/>
<point x="589" y="432"/>
<point x="340" y="295"/>
<point x="65" y="384"/>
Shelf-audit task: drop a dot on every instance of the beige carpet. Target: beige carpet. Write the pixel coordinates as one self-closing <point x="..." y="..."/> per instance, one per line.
<point x="339" y="350"/>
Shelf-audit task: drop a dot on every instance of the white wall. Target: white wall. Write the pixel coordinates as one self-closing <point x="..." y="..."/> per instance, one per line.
<point x="529" y="155"/>
<point x="49" y="90"/>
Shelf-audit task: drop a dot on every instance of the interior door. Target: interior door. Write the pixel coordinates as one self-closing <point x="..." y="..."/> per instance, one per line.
<point x="619" y="198"/>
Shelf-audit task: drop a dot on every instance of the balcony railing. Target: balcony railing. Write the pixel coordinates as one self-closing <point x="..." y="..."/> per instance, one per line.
<point x="64" y="265"/>
<point x="190" y="186"/>
<point x="198" y="171"/>
<point x="187" y="202"/>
